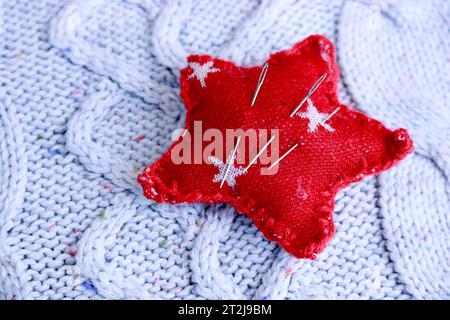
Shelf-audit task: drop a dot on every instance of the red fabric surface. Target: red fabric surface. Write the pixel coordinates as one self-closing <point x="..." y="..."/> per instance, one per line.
<point x="293" y="207"/>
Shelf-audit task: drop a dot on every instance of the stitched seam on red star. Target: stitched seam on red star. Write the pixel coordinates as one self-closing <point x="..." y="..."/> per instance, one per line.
<point x="398" y="145"/>
<point x="263" y="221"/>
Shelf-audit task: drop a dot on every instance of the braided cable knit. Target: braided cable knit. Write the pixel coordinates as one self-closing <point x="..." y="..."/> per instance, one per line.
<point x="276" y="281"/>
<point x="91" y="255"/>
<point x="412" y="35"/>
<point x="13" y="177"/>
<point x="95" y="84"/>
<point x="66" y="33"/>
<point x="93" y="157"/>
<point x="211" y="282"/>
<point x="265" y="18"/>
<point x="167" y="31"/>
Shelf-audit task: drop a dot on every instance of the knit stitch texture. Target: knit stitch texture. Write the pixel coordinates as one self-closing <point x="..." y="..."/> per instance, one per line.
<point x="89" y="96"/>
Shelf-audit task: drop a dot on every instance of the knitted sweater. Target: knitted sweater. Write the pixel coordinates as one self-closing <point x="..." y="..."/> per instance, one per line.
<point x="89" y="97"/>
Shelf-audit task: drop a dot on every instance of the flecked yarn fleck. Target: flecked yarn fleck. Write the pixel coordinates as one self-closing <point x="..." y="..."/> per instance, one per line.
<point x="89" y="96"/>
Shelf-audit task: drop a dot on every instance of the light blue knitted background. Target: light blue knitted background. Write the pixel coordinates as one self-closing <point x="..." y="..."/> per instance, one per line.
<point x="89" y="96"/>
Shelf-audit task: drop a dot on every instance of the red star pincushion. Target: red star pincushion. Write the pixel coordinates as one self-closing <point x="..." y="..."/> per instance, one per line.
<point x="294" y="206"/>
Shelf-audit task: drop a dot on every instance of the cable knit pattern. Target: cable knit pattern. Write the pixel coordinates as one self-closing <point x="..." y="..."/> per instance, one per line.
<point x="89" y="97"/>
<point x="13" y="171"/>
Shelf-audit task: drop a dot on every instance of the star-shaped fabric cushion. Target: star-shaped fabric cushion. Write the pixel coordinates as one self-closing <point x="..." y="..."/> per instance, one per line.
<point x="294" y="206"/>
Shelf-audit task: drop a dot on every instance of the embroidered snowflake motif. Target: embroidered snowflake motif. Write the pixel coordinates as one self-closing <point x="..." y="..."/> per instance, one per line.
<point x="200" y="71"/>
<point x="232" y="174"/>
<point x="315" y="118"/>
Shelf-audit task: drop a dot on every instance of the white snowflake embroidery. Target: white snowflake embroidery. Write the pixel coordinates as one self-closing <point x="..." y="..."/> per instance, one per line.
<point x="232" y="174"/>
<point x="315" y="118"/>
<point x="200" y="71"/>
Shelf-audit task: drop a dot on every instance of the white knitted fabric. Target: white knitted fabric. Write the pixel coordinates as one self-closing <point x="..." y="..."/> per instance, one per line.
<point x="89" y="97"/>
